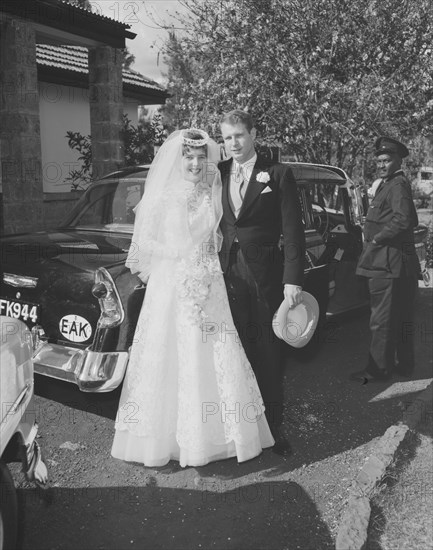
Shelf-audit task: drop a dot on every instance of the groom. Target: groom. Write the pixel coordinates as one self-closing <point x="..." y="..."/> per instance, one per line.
<point x="260" y="204"/>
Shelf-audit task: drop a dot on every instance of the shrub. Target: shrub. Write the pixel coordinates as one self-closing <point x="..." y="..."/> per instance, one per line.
<point x="138" y="142"/>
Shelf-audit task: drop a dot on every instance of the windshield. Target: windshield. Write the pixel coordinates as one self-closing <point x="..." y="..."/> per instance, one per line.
<point x="108" y="205"/>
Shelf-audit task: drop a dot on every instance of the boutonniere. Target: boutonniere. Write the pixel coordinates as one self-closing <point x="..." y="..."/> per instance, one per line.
<point x="263" y="177"/>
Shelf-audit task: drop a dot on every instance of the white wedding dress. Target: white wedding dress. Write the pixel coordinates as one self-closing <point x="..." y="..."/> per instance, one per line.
<point x="189" y="393"/>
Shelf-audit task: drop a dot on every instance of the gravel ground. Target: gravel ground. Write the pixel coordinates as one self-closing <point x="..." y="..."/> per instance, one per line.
<point x="263" y="503"/>
<point x="270" y="502"/>
<point x="401" y="509"/>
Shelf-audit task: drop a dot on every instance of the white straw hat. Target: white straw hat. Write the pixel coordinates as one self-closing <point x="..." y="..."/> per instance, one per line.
<point x="296" y="325"/>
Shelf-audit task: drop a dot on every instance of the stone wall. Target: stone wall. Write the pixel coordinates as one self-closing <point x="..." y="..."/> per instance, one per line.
<point x="24" y="206"/>
<point x="106" y="108"/>
<point x="21" y="169"/>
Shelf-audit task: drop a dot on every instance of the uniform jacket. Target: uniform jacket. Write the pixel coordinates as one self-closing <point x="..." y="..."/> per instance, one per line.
<point x="390" y="221"/>
<point x="269" y="210"/>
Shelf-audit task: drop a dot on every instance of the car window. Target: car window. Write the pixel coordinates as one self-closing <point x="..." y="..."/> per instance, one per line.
<point x="305" y="198"/>
<point x="93" y="213"/>
<point x="125" y="199"/>
<point x="327" y="196"/>
<point x="324" y="195"/>
<point x="109" y="204"/>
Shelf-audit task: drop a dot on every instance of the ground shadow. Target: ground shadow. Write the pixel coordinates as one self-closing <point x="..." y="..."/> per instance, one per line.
<point x="325" y="413"/>
<point x="263" y="515"/>
<point x="102" y="404"/>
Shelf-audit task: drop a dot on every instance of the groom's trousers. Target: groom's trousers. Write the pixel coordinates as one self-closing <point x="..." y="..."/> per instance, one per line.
<point x="252" y="312"/>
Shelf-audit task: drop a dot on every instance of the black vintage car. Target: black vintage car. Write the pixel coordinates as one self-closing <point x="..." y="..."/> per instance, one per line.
<point x="71" y="287"/>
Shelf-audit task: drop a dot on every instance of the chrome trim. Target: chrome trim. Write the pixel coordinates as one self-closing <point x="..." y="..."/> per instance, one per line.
<point x="57" y="356"/>
<point x="101" y="372"/>
<point x="36" y="469"/>
<point x="18" y="401"/>
<point x="55" y="372"/>
<point x="57" y="361"/>
<point x="39" y="338"/>
<point x="92" y="371"/>
<point x="20" y="281"/>
<point x="105" y="273"/>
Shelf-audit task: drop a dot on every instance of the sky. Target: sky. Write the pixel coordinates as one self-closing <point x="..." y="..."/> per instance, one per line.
<point x="143" y="16"/>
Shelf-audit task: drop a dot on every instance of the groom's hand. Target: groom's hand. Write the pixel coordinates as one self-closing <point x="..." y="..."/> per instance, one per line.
<point x="293" y="293"/>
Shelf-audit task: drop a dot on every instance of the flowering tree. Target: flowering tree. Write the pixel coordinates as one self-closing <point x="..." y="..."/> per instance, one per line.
<point x="322" y="78"/>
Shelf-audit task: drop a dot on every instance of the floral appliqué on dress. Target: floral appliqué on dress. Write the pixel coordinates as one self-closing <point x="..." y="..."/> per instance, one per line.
<point x="195" y="273"/>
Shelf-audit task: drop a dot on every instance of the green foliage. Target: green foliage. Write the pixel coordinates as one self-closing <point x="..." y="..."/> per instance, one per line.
<point x="80" y="178"/>
<point x="138" y="142"/>
<point x="128" y="58"/>
<point x="81" y="3"/>
<point x="158" y="131"/>
<point x="322" y="78"/>
<point x="139" y="149"/>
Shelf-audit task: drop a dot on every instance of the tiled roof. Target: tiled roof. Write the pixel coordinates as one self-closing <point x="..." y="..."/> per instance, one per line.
<point x="95" y="12"/>
<point x="74" y="59"/>
<point x="60" y="16"/>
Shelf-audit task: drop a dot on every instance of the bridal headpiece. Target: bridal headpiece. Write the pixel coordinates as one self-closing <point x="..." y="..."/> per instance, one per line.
<point x="193" y="142"/>
<point x="152" y="239"/>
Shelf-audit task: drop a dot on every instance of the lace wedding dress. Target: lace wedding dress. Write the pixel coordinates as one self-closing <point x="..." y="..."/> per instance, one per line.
<point x="190" y="393"/>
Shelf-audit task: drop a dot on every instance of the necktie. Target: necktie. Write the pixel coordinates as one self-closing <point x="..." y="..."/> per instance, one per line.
<point x="237" y="189"/>
<point x="241" y="182"/>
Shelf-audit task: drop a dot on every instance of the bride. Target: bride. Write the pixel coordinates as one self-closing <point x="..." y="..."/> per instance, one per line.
<point x="189" y="393"/>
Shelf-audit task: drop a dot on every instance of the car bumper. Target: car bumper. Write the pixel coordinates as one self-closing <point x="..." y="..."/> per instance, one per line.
<point x="92" y="371"/>
<point x="34" y="467"/>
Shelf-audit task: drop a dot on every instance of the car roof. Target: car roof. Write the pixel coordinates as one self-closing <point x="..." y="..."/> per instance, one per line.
<point x="126" y="171"/>
<point x="304" y="172"/>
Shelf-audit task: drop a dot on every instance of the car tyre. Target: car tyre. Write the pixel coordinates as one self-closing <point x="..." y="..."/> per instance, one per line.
<point x="8" y="509"/>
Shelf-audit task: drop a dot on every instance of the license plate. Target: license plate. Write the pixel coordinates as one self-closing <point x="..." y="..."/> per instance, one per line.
<point x="20" y="310"/>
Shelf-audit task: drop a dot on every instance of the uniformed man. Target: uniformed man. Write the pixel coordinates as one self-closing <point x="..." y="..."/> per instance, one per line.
<point x="390" y="262"/>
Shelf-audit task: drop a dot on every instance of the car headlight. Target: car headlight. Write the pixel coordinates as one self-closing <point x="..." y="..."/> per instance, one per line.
<point x="105" y="291"/>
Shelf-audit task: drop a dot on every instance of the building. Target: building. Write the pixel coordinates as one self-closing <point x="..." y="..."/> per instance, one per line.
<point x="63" y="85"/>
<point x="27" y="28"/>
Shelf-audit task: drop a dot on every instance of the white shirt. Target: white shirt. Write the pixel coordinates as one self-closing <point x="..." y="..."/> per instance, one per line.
<point x="238" y="184"/>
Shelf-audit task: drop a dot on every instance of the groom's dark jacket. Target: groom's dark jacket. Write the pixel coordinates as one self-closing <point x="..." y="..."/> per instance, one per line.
<point x="269" y="210"/>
